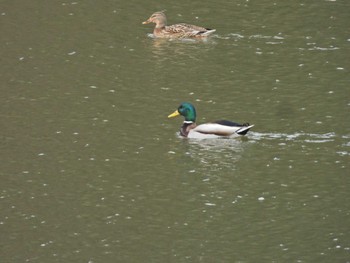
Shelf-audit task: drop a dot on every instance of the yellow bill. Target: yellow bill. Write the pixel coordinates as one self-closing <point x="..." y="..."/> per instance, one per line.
<point x="174" y="114"/>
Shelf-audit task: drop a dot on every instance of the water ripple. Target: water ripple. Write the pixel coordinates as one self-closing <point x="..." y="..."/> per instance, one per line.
<point x="306" y="137"/>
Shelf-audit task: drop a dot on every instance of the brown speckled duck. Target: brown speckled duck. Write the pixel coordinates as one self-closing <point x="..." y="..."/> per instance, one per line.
<point x="181" y="30"/>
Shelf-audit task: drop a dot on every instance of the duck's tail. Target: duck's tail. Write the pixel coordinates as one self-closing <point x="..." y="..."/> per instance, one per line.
<point x="206" y="33"/>
<point x="244" y="129"/>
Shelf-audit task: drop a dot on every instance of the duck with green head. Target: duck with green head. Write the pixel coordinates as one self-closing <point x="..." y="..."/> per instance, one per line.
<point x="216" y="129"/>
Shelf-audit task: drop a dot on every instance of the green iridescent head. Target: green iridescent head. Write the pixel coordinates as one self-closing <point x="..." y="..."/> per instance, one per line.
<point x="187" y="110"/>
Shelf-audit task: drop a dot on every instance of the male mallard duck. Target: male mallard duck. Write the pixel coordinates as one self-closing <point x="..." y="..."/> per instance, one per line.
<point x="182" y="30"/>
<point x="215" y="129"/>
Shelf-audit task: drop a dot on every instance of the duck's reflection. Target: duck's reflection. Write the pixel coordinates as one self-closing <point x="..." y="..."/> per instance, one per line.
<point x="217" y="154"/>
<point x="160" y="46"/>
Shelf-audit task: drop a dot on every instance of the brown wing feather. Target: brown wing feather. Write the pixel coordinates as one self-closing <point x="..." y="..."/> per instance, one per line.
<point x="184" y="29"/>
<point x="193" y="27"/>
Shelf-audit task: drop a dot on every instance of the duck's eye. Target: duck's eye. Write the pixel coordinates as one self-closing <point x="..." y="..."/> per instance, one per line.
<point x="183" y="110"/>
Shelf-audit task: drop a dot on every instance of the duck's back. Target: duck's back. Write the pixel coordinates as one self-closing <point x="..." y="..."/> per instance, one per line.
<point x="183" y="30"/>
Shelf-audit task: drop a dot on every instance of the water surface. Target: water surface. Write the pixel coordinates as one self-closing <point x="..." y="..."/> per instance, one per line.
<point x="93" y="171"/>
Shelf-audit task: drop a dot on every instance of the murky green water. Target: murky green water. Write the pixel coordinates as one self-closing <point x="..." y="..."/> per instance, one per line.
<point x="93" y="171"/>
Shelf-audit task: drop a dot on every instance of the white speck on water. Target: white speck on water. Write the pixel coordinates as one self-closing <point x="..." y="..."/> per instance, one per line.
<point x="76" y="133"/>
<point x="340" y="68"/>
<point x="210" y="204"/>
<point x="278" y="37"/>
<point x="192" y="171"/>
<point x="41" y="154"/>
<point x="261" y="198"/>
<point x="25" y="172"/>
<point x="171" y="152"/>
<point x="112" y="90"/>
<point x="72" y="53"/>
<point x="21" y="58"/>
<point x="93" y="87"/>
<point x="273" y="43"/>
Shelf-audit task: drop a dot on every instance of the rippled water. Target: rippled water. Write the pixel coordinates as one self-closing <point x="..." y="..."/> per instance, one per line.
<point x="93" y="171"/>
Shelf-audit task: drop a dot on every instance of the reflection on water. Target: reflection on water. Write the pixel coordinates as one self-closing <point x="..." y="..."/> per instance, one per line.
<point x="160" y="46"/>
<point x="216" y="154"/>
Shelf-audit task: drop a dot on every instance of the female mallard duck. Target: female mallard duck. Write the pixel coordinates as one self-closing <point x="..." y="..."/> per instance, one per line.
<point x="182" y="30"/>
<point x="215" y="129"/>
